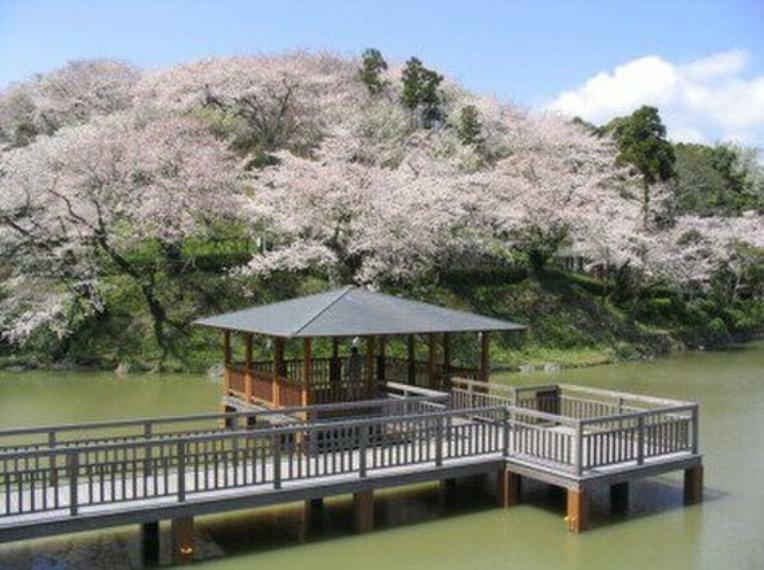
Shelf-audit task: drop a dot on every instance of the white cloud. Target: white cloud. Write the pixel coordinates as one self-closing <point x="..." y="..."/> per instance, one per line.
<point x="706" y="100"/>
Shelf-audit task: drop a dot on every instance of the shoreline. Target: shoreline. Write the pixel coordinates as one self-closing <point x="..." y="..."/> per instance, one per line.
<point x="537" y="360"/>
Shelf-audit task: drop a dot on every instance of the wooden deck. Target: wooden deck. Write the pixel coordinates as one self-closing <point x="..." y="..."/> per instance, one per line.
<point x="70" y="478"/>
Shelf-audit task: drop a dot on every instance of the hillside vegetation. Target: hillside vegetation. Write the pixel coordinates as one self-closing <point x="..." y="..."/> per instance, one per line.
<point x="132" y="202"/>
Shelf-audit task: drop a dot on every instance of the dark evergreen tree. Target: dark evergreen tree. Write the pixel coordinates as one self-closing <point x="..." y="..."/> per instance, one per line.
<point x="372" y="66"/>
<point x="641" y="140"/>
<point x="469" y="127"/>
<point x="421" y="91"/>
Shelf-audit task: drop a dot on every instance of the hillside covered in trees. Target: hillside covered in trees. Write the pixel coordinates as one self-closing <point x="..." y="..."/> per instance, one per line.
<point x="132" y="202"/>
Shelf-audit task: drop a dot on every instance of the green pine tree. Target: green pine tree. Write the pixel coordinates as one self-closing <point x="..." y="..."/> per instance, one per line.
<point x="372" y="66"/>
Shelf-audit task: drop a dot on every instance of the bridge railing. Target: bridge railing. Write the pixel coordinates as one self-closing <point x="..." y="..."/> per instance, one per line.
<point x="73" y="478"/>
<point x="178" y="466"/>
<point x="142" y="429"/>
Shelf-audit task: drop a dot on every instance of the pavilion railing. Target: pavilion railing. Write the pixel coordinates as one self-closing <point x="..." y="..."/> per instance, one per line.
<point x="332" y="380"/>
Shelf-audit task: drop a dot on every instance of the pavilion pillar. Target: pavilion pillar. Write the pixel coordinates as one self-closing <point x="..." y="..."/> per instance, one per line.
<point x="381" y="377"/>
<point x="484" y="371"/>
<point x="432" y="361"/>
<point x="307" y="371"/>
<point x="363" y="511"/>
<point x="182" y="540"/>
<point x="227" y="347"/>
<point x="369" y="372"/>
<point x="446" y="375"/>
<point x="248" y="367"/>
<point x="576" y="511"/>
<point x="278" y="370"/>
<point x="226" y="361"/>
<point x="411" y="349"/>
<point x="693" y="485"/>
<point x="335" y="369"/>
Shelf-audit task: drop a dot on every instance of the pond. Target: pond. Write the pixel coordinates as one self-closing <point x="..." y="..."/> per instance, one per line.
<point x="416" y="527"/>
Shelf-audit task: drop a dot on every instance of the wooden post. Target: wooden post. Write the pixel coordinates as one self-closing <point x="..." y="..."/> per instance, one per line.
<point x="150" y="544"/>
<point x="619" y="497"/>
<point x="432" y="361"/>
<point x="369" y="379"/>
<point x="227" y="347"/>
<point x="278" y="370"/>
<point x="446" y="376"/>
<point x="576" y="515"/>
<point x="485" y="341"/>
<point x="226" y="362"/>
<point x="307" y="371"/>
<point x="312" y="511"/>
<point x="183" y="540"/>
<point x="363" y="511"/>
<point x="381" y="379"/>
<point x="693" y="485"/>
<point x="508" y="487"/>
<point x="248" y="367"/>
<point x="411" y="346"/>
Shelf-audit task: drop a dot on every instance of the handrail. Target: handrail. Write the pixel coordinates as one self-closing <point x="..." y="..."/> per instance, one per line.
<point x="162" y="420"/>
<point x="641" y="413"/>
<point x="629" y="395"/>
<point x="175" y="467"/>
<point x="245" y="433"/>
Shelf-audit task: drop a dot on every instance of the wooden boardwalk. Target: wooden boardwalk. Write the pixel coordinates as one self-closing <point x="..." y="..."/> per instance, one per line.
<point x="71" y="478"/>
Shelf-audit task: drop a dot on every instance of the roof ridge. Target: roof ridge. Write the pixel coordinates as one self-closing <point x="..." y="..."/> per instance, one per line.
<point x="344" y="291"/>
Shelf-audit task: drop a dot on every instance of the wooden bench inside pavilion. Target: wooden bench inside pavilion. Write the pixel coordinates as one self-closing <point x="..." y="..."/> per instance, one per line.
<point x="356" y="328"/>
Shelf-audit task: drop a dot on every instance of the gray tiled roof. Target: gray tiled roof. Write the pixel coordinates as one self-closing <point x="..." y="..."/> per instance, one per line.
<point x="352" y="312"/>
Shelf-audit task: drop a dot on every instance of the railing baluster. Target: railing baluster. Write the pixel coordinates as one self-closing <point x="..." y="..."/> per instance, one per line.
<point x="181" y="470"/>
<point x="74" y="467"/>
<point x="276" y="443"/>
<point x="439" y="441"/>
<point x="362" y="446"/>
<point x="640" y="439"/>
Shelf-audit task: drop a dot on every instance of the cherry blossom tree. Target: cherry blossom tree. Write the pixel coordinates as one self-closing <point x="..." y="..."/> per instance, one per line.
<point x="99" y="160"/>
<point x="67" y="96"/>
<point x="695" y="247"/>
<point x="90" y="194"/>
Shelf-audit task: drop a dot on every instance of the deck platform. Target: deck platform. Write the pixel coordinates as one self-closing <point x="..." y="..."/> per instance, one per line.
<point x="64" y="479"/>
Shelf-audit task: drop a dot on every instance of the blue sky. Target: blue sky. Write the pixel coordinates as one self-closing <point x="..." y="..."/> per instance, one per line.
<point x="593" y="58"/>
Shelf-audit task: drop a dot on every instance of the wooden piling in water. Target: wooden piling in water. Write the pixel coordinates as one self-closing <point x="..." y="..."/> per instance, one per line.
<point x="508" y="488"/>
<point x="363" y="511"/>
<point x="619" y="497"/>
<point x="150" y="544"/>
<point x="693" y="485"/>
<point x="182" y="540"/>
<point x="576" y="512"/>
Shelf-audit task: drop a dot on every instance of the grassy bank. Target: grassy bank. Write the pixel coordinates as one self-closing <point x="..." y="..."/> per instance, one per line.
<point x="573" y="321"/>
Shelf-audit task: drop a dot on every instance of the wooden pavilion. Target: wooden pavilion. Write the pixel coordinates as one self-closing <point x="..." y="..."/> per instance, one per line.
<point x="368" y="318"/>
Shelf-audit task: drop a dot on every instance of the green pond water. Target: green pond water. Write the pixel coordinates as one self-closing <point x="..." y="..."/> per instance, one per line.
<point x="416" y="527"/>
